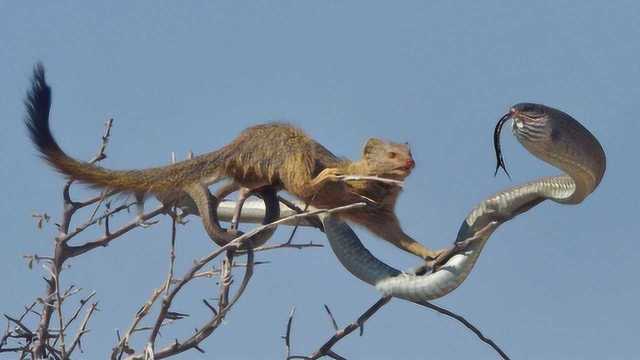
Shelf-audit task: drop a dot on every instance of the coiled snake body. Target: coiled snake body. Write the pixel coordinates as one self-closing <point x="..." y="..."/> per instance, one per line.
<point x="549" y="134"/>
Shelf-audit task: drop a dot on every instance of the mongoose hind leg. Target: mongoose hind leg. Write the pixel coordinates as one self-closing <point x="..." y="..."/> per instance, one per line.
<point x="140" y="212"/>
<point x="207" y="205"/>
<point x="268" y="194"/>
<point x="225" y="191"/>
<point x="243" y="195"/>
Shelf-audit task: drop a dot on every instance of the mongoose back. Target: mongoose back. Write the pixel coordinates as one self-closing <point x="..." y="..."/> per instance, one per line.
<point x="273" y="155"/>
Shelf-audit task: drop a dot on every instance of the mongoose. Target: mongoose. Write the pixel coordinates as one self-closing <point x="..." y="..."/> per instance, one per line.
<point x="273" y="155"/>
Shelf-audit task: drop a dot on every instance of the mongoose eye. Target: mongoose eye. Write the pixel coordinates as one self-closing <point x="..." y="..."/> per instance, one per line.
<point x="393" y="155"/>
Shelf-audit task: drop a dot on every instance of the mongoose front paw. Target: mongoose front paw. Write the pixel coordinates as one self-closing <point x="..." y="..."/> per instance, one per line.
<point x="442" y="256"/>
<point x="445" y="254"/>
<point x="328" y="174"/>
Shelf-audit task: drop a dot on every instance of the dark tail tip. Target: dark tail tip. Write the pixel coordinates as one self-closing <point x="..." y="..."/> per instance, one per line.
<point x="496" y="145"/>
<point x="38" y="104"/>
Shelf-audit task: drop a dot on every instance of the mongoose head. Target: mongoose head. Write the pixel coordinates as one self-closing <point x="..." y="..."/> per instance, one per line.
<point x="388" y="159"/>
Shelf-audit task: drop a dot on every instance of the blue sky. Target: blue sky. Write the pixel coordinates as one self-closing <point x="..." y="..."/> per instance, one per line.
<point x="559" y="282"/>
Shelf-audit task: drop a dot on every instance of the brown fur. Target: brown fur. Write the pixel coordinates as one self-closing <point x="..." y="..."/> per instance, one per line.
<point x="274" y="154"/>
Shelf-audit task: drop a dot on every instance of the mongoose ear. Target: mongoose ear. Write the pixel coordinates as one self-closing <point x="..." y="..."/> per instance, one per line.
<point x="371" y="144"/>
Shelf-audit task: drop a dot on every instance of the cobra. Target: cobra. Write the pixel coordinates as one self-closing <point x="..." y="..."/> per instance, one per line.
<point x="550" y="135"/>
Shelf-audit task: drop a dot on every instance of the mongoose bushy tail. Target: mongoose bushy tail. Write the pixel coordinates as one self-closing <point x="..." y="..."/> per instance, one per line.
<point x="157" y="180"/>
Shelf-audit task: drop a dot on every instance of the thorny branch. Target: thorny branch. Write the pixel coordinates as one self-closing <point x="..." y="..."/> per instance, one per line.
<point x="45" y="342"/>
<point x="224" y="305"/>
<point x="326" y="348"/>
<point x="123" y="343"/>
<point x="83" y="328"/>
<point x="287" y="335"/>
<point x="374" y="178"/>
<point x="467" y="324"/>
<point x="20" y="331"/>
<point x="40" y="347"/>
<point x="83" y="302"/>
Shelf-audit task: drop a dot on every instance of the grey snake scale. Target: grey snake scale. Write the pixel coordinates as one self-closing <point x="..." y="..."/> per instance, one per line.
<point x="550" y="135"/>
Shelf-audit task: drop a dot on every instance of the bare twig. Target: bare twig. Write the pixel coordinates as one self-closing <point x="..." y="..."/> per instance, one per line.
<point x="296" y="217"/>
<point x="301" y="215"/>
<point x="18" y="323"/>
<point x="225" y="279"/>
<point x="295" y="227"/>
<point x="288" y="245"/>
<point x="201" y="334"/>
<point x="224" y="305"/>
<point x="467" y="324"/>
<point x="335" y="356"/>
<point x="333" y="319"/>
<point x="82" y="329"/>
<point x="74" y="251"/>
<point x="41" y="219"/>
<point x="37" y="259"/>
<point x="287" y="335"/>
<point x="325" y="349"/>
<point x="70" y="291"/>
<point x="213" y="310"/>
<point x="290" y="204"/>
<point x="103" y="145"/>
<point x="83" y="302"/>
<point x="172" y="253"/>
<point x="12" y="349"/>
<point x="370" y="178"/>
<point x="58" y="305"/>
<point x="62" y="252"/>
<point x="103" y="196"/>
<point x="93" y="220"/>
<point x="315" y="212"/>
<point x="168" y="298"/>
<point x="23" y="332"/>
<point x="123" y="343"/>
<point x="191" y="274"/>
<point x="351" y="327"/>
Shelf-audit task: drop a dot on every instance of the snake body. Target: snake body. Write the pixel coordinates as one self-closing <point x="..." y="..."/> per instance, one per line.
<point x="549" y="134"/>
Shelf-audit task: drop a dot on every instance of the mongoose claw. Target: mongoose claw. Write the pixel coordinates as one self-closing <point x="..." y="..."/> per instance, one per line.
<point x="328" y="174"/>
<point x="444" y="255"/>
